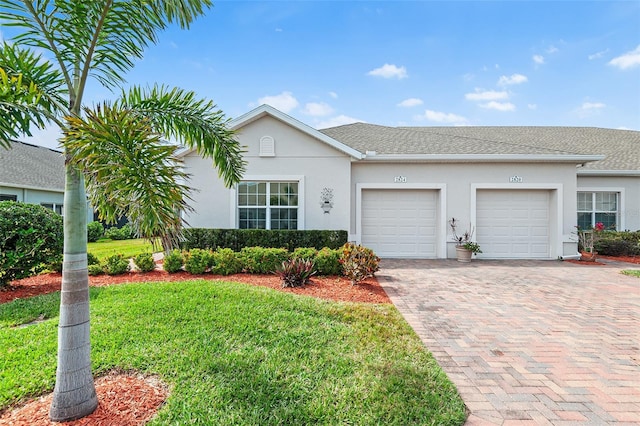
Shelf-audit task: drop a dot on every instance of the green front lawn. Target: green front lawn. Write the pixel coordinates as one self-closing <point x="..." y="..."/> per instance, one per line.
<point x="632" y="272"/>
<point x="129" y="248"/>
<point x="242" y="355"/>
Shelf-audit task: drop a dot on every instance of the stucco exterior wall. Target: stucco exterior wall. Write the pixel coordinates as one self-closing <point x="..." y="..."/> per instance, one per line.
<point x="458" y="183"/>
<point x="298" y="157"/>
<point x="629" y="189"/>
<point x="33" y="196"/>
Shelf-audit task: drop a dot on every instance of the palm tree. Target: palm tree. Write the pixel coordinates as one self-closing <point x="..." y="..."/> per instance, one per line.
<point x="116" y="150"/>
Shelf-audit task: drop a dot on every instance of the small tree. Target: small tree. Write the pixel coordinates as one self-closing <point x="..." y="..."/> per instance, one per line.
<point x="31" y="239"/>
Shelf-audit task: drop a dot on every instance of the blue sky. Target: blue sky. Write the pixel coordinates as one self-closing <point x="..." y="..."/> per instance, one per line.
<point x="416" y="63"/>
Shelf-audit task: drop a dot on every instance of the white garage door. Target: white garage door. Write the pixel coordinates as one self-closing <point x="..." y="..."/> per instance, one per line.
<point x="400" y="223"/>
<point x="513" y="223"/>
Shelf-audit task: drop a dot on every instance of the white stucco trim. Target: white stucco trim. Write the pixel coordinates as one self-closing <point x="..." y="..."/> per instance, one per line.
<point x="556" y="246"/>
<point x="441" y="247"/>
<point x="621" y="201"/>
<point x="29" y="187"/>
<point x="233" y="202"/>
<point x="485" y="158"/>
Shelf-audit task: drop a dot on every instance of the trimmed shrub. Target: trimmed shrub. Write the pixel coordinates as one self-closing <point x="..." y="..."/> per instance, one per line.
<point x="92" y="259"/>
<point x="308" y="253"/>
<point x="226" y="262"/>
<point x="115" y="265"/>
<point x="125" y="233"/>
<point x="327" y="262"/>
<point x="95" y="269"/>
<point x="615" y="247"/>
<point x="295" y="272"/>
<point x="260" y="260"/>
<point x="144" y="262"/>
<point x="31" y="238"/>
<point x="173" y="261"/>
<point x="358" y="262"/>
<point x="197" y="261"/>
<point x="95" y="231"/>
<point x="237" y="239"/>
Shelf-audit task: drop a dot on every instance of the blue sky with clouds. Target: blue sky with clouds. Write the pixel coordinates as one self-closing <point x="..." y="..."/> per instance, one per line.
<point x="422" y="63"/>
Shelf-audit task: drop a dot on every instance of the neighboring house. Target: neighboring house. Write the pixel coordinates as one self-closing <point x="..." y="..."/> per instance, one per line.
<point x="33" y="174"/>
<point x="523" y="189"/>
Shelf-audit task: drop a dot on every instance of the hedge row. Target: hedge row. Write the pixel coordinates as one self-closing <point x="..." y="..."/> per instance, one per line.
<point x="254" y="260"/>
<point x="618" y="243"/>
<point x="237" y="239"/>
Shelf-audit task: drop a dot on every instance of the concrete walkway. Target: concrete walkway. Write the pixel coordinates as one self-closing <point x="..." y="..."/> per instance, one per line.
<point x="528" y="342"/>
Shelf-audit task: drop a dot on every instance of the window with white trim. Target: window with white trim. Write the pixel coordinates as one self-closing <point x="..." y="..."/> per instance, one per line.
<point x="54" y="206"/>
<point x="268" y="205"/>
<point x="594" y="207"/>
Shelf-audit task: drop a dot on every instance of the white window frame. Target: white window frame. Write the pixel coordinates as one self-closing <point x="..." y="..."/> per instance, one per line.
<point x="54" y="207"/>
<point x="620" y="222"/>
<point x="233" y="217"/>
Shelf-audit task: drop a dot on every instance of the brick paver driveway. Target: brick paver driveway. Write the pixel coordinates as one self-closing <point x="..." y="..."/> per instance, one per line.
<point x="528" y="342"/>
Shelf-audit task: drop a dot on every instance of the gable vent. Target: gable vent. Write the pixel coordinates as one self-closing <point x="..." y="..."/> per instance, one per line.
<point x="267" y="147"/>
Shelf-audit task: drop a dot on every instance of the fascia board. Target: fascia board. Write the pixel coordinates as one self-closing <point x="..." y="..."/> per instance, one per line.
<point x="484" y="158"/>
<point x="608" y="172"/>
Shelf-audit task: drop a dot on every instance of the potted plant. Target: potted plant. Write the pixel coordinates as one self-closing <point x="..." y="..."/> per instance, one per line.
<point x="465" y="246"/>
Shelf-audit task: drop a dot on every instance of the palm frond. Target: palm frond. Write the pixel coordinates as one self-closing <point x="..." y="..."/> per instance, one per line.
<point x="129" y="170"/>
<point x="30" y="92"/>
<point x="197" y="123"/>
<point x="101" y="38"/>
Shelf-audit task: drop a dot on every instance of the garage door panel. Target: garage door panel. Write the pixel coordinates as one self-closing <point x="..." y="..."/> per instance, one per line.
<point x="399" y="223"/>
<point x="513" y="223"/>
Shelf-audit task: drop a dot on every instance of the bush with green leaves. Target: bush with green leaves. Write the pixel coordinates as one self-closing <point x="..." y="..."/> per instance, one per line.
<point x="144" y="262"/>
<point x="358" y="262"/>
<point x="226" y="262"/>
<point x="125" y="233"/>
<point x="295" y="272"/>
<point x="260" y="260"/>
<point x="95" y="231"/>
<point x="115" y="265"/>
<point x="95" y="269"/>
<point x="92" y="259"/>
<point x="327" y="262"/>
<point x="173" y="261"/>
<point x="308" y="253"/>
<point x="237" y="239"/>
<point x="197" y="261"/>
<point x="30" y="239"/>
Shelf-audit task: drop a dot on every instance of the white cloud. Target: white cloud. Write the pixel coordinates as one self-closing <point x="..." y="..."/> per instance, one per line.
<point x="333" y="95"/>
<point x="468" y="77"/>
<point x="389" y="71"/>
<point x="538" y="59"/>
<point x="499" y="106"/>
<point x="532" y="106"/>
<point x="627" y="60"/>
<point x="339" y="120"/>
<point x="513" y="79"/>
<point x="552" y="49"/>
<point x="586" y="106"/>
<point x="278" y="30"/>
<point x="411" y="102"/>
<point x="487" y="95"/>
<point x="597" y="55"/>
<point x="285" y="101"/>
<point x="318" y="109"/>
<point x="444" y="117"/>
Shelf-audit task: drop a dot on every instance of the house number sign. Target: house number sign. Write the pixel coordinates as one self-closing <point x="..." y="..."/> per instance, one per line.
<point x="515" y="179"/>
<point x="400" y="179"/>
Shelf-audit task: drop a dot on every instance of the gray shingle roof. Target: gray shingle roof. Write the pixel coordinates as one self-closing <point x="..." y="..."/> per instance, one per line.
<point x="621" y="147"/>
<point x="26" y="165"/>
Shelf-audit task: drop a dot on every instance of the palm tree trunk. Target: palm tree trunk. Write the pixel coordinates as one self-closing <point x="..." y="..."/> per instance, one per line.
<point x="74" y="395"/>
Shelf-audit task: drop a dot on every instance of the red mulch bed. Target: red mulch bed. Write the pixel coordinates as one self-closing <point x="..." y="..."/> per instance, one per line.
<point x="127" y="399"/>
<point x="331" y="288"/>
<point x="627" y="259"/>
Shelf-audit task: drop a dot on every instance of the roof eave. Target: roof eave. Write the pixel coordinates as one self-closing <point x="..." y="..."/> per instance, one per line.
<point x="588" y="172"/>
<point x="484" y="158"/>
